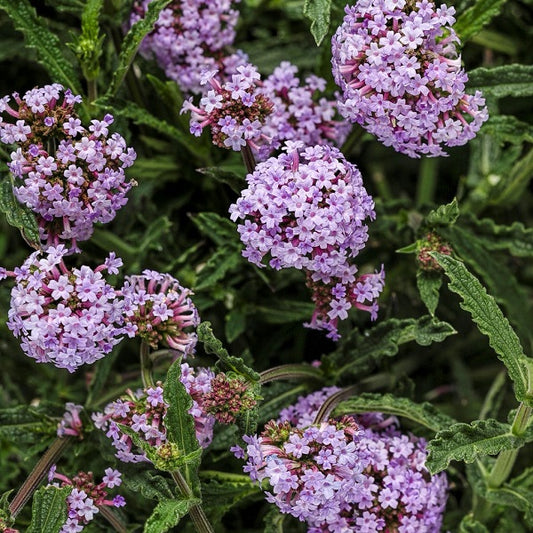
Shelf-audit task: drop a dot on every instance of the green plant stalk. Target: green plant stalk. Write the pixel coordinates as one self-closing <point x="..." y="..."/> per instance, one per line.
<point x="92" y="90"/>
<point x="146" y="365"/>
<point x="506" y="459"/>
<point x="40" y="470"/>
<point x="112" y="518"/>
<point x="200" y="521"/>
<point x="427" y="181"/>
<point x="295" y="371"/>
<point x="332" y="402"/>
<point x="248" y="158"/>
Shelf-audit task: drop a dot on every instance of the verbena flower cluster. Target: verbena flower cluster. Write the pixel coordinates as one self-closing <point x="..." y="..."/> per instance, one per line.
<point x="69" y="175"/>
<point x="308" y="209"/>
<point x="299" y="113"/>
<point x="158" y="309"/>
<point x="235" y="110"/>
<point x="70" y="424"/>
<point x="86" y="496"/>
<point x="144" y="412"/>
<point x="398" y="67"/>
<point x="61" y="316"/>
<point x="191" y="36"/>
<point x="399" y="493"/>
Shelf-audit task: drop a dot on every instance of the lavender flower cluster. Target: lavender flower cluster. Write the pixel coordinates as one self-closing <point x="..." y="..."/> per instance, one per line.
<point x="307" y="209"/>
<point x="398" y="67"/>
<point x="191" y="36"/>
<point x="65" y="317"/>
<point x="389" y="490"/>
<point x="144" y="412"/>
<point x="86" y="496"/>
<point x="158" y="309"/>
<point x="235" y="110"/>
<point x="70" y="176"/>
<point x="299" y="114"/>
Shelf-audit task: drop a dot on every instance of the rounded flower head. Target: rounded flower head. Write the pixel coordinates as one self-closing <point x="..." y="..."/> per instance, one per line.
<point x="397" y="65"/>
<point x="158" y="309"/>
<point x="235" y="111"/>
<point x="299" y="113"/>
<point x="190" y="36"/>
<point x="398" y="493"/>
<point x="144" y="412"/>
<point x="69" y="175"/>
<point x="65" y="317"/>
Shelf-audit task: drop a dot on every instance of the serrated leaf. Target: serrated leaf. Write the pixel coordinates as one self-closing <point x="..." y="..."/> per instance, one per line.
<point x="422" y="413"/>
<point x="319" y="12"/>
<point x="360" y="352"/>
<point x="214" y="346"/>
<point x="18" y="215"/>
<point x="444" y="215"/>
<point x="285" y="311"/>
<point x="228" y="177"/>
<point x="508" y="129"/>
<point x="490" y="321"/>
<point x="150" y="485"/>
<point x="167" y="514"/>
<point x="46" y="44"/>
<point x="466" y="442"/>
<point x="49" y="510"/>
<point x="25" y="424"/>
<point x="517" y="497"/>
<point x="476" y="17"/>
<point x="217" y="266"/>
<point x="508" y="80"/>
<point x="220" y="230"/>
<point x="132" y="40"/>
<point x="470" y="525"/>
<point x="428" y="284"/>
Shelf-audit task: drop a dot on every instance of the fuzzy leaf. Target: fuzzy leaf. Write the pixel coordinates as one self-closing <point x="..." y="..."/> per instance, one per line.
<point x="49" y="510"/>
<point x="132" y="41"/>
<point x="444" y="215"/>
<point x="490" y="321"/>
<point x="422" y="413"/>
<point x="217" y="266"/>
<point x="19" y="215"/>
<point x="150" y="485"/>
<point x="428" y="284"/>
<point x="511" y="189"/>
<point x="517" y="497"/>
<point x="214" y="346"/>
<point x="318" y="11"/>
<point x="26" y="424"/>
<point x="470" y="525"/>
<point x="466" y="442"/>
<point x="235" y="181"/>
<point x="360" y="352"/>
<point x="508" y="129"/>
<point x="46" y="44"/>
<point x="476" y="17"/>
<point x="167" y="514"/>
<point x="508" y="80"/>
<point x="220" y="230"/>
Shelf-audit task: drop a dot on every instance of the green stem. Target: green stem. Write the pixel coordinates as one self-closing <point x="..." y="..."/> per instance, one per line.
<point x="113" y="519"/>
<point x="92" y="90"/>
<point x="505" y="461"/>
<point x="380" y="182"/>
<point x="200" y="521"/>
<point x="146" y="366"/>
<point x="295" y="371"/>
<point x="248" y="158"/>
<point x="427" y="181"/>
<point x="332" y="402"/>
<point x="40" y="470"/>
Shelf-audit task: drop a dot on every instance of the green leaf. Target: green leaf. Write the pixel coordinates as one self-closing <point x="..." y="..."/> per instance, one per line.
<point x="510" y="190"/>
<point x="49" y="510"/>
<point x="508" y="128"/>
<point x="214" y="346"/>
<point x="18" y="215"/>
<point x="149" y="484"/>
<point x="235" y="181"/>
<point x="428" y="284"/>
<point x="319" y="12"/>
<point x="46" y="44"/>
<point x="167" y="514"/>
<point x="517" y="497"/>
<point x="508" y="80"/>
<point x="490" y="321"/>
<point x="476" y="17"/>
<point x="361" y="352"/>
<point x="235" y="324"/>
<point x="466" y="442"/>
<point x="422" y="413"/>
<point x="470" y="525"/>
<point x="24" y="424"/>
<point x="285" y="311"/>
<point x="217" y="266"/>
<point x="444" y="215"/>
<point x="220" y="230"/>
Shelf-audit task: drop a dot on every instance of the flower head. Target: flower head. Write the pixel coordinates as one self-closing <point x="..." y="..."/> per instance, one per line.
<point x="401" y="76"/>
<point x="71" y="423"/>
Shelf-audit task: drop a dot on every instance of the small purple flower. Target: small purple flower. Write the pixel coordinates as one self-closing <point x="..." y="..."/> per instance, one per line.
<point x="71" y="423"/>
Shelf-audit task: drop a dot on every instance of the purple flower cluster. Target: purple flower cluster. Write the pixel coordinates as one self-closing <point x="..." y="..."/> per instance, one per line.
<point x="70" y="176"/>
<point x="158" y="309"/>
<point x="190" y="36"/>
<point x="397" y="65"/>
<point x="86" y="496"/>
<point x="71" y="424"/>
<point x="299" y="114"/>
<point x="235" y="111"/>
<point x="65" y="317"/>
<point x="307" y="209"/>
<point x="398" y="492"/>
<point x="144" y="412"/>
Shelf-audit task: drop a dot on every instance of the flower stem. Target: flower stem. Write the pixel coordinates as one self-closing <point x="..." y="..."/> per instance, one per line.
<point x="38" y="473"/>
<point x="113" y="519"/>
<point x="295" y="371"/>
<point x="248" y="158"/>
<point x="332" y="402"/>
<point x="200" y="521"/>
<point x="92" y="90"/>
<point x="427" y="181"/>
<point x="146" y="366"/>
